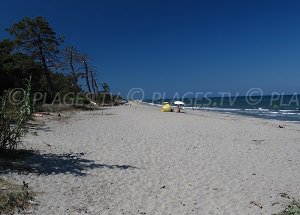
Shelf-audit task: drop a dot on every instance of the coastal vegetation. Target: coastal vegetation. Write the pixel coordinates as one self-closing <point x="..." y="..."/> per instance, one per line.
<point x="13" y="118"/>
<point x="13" y="196"/>
<point x="39" y="73"/>
<point x="34" y="49"/>
<point x="292" y="209"/>
<point x="46" y="73"/>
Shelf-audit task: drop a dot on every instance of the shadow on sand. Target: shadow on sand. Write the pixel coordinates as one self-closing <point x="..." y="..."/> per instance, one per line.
<point x="26" y="162"/>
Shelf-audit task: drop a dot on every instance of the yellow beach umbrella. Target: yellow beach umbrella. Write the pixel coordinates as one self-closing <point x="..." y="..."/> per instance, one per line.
<point x="166" y="107"/>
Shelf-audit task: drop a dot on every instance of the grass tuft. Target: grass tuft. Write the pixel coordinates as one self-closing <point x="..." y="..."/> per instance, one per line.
<point x="291" y="209"/>
<point x="14" y="198"/>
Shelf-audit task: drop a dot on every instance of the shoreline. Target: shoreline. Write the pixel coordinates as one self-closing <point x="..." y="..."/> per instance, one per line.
<point x="238" y="112"/>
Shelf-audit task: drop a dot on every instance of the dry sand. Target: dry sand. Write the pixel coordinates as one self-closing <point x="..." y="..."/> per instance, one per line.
<point x="142" y="161"/>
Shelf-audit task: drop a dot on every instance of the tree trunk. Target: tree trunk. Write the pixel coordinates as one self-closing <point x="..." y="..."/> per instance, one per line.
<point x="96" y="85"/>
<point x="45" y="67"/>
<point x="73" y="73"/>
<point x="93" y="85"/>
<point x="87" y="76"/>
<point x="47" y="74"/>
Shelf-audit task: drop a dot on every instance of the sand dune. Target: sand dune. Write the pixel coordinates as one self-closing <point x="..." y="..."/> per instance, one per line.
<point x="143" y="161"/>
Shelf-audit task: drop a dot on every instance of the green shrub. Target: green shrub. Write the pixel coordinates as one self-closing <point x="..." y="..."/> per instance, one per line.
<point x="292" y="209"/>
<point x="13" y="197"/>
<point x="13" y="117"/>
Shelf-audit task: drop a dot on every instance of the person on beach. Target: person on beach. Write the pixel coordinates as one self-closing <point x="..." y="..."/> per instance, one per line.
<point x="178" y="109"/>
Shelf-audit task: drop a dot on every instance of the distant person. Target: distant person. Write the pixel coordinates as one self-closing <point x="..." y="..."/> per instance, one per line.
<point x="178" y="109"/>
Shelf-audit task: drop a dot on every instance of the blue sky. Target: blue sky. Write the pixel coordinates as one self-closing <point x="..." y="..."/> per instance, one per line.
<point x="178" y="46"/>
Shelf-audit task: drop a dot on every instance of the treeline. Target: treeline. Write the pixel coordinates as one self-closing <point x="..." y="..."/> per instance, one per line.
<point x="35" y="50"/>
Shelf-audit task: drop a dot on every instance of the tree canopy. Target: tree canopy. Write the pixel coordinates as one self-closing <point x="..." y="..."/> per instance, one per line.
<point x="34" y="50"/>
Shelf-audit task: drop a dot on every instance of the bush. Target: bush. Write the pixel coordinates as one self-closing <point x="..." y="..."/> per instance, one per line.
<point x="292" y="209"/>
<point x="13" y="117"/>
<point x="13" y="197"/>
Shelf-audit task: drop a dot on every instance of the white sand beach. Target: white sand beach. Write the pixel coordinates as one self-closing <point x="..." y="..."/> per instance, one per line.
<point x="142" y="161"/>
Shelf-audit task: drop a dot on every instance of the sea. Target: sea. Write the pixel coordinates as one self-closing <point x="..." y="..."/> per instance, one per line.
<point x="279" y="107"/>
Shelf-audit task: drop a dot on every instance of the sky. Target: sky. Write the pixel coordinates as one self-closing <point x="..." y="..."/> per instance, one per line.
<point x="178" y="46"/>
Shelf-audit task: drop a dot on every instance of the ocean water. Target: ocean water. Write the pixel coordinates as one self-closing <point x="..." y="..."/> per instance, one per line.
<point x="284" y="107"/>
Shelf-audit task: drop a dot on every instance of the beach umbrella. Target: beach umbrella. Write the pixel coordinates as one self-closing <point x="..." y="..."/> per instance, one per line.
<point x="178" y="103"/>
